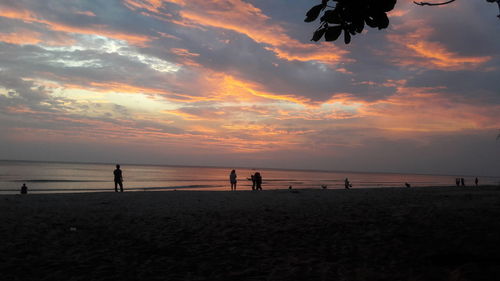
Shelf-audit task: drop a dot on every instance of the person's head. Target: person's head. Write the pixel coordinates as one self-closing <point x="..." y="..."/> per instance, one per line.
<point x="233" y="171"/>
<point x="118" y="166"/>
<point x="24" y="184"/>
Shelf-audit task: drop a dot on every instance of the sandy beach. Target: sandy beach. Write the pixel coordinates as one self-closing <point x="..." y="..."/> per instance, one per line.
<point x="444" y="233"/>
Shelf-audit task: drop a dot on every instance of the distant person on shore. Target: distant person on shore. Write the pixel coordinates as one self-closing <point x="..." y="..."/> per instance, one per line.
<point x="24" y="189"/>
<point x="347" y="184"/>
<point x="457" y="181"/>
<point x="252" y="178"/>
<point x="118" y="178"/>
<point x="407" y="184"/>
<point x="476" y="181"/>
<point x="232" y="179"/>
<point x="258" y="181"/>
<point x="462" y="181"/>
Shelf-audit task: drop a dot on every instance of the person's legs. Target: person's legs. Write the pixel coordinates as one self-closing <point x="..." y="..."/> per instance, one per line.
<point x="116" y="186"/>
<point x="121" y="186"/>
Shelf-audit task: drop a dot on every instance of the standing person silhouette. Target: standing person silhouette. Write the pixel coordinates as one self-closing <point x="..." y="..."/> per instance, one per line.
<point x="24" y="189"/>
<point x="232" y="179"/>
<point x="118" y="178"/>
<point x="462" y="181"/>
<point x="476" y="181"/>
<point x="258" y="181"/>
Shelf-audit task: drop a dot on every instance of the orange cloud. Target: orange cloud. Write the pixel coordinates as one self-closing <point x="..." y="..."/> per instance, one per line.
<point x="442" y="58"/>
<point x="97" y="29"/>
<point x="85" y="13"/>
<point x="21" y="37"/>
<point x="244" y="18"/>
<point x="415" y="50"/>
<point x="427" y="110"/>
<point x="187" y="56"/>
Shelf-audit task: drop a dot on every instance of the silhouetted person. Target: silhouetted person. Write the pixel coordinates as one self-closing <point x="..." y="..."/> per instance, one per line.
<point x="407" y="184"/>
<point x="232" y="179"/>
<point x="258" y="181"/>
<point x="252" y="178"/>
<point x="462" y="181"/>
<point x="457" y="181"/>
<point x="24" y="189"/>
<point x="476" y="181"/>
<point x="324" y="186"/>
<point x="118" y="178"/>
<point x="347" y="184"/>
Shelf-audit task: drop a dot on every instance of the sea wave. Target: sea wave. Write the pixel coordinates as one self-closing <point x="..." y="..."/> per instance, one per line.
<point x="54" y="180"/>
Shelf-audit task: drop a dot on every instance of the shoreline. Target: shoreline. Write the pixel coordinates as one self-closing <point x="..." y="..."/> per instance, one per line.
<point x="177" y="189"/>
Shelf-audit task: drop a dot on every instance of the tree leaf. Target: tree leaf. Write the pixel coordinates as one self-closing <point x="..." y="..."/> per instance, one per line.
<point x="382" y="20"/>
<point x="387" y="5"/>
<point x="332" y="33"/>
<point x="318" y="34"/>
<point x="347" y="36"/>
<point x="313" y="13"/>
<point x="359" y="24"/>
<point x="331" y="16"/>
<point x="370" y="21"/>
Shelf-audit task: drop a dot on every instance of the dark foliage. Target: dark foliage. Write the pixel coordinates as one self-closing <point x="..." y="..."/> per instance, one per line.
<point x="351" y="16"/>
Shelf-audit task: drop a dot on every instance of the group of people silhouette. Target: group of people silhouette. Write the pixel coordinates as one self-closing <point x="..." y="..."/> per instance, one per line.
<point x="461" y="181"/>
<point x="255" y="178"/>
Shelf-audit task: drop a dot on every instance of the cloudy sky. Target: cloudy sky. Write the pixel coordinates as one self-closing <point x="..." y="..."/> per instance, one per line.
<point x="238" y="83"/>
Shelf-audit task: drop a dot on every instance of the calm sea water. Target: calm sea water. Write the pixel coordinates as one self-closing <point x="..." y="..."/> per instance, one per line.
<point x="42" y="177"/>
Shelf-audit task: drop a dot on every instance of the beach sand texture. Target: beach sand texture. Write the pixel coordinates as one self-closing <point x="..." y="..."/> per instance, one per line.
<point x="364" y="234"/>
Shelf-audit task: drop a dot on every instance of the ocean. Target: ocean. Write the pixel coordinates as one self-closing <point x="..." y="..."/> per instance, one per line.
<point x="52" y="177"/>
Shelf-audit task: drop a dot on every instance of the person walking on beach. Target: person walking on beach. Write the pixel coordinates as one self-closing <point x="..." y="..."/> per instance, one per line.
<point x="347" y="184"/>
<point x="462" y="181"/>
<point x="457" y="181"/>
<point x="232" y="179"/>
<point x="476" y="181"/>
<point x="118" y="178"/>
<point x="24" y="189"/>
<point x="258" y="181"/>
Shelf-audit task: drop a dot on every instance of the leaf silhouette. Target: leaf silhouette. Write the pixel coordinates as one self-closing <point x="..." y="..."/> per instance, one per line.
<point x="332" y="33"/>
<point x="313" y="13"/>
<point x="347" y="37"/>
<point x="318" y="34"/>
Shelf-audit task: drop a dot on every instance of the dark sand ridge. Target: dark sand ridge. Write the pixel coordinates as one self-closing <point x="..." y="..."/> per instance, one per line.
<point x="369" y="234"/>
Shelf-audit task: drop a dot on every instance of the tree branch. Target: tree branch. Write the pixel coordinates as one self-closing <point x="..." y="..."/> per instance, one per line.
<point x="498" y="2"/>
<point x="433" y="4"/>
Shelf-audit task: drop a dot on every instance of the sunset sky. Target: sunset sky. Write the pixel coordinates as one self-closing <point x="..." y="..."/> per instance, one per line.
<point x="239" y="84"/>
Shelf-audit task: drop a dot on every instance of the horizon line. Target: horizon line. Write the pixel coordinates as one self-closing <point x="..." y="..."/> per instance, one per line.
<point x="240" y="167"/>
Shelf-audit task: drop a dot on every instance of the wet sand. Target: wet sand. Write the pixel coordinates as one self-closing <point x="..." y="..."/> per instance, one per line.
<point x="442" y="233"/>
